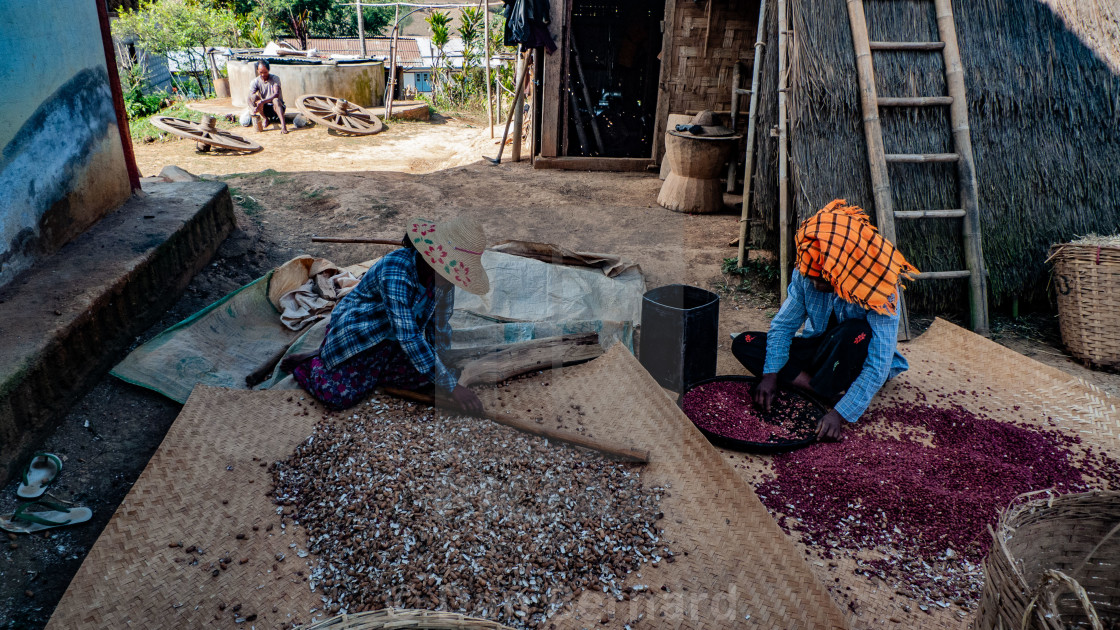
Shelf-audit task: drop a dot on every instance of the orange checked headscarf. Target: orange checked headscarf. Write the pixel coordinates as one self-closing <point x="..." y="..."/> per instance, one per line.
<point x="840" y="245"/>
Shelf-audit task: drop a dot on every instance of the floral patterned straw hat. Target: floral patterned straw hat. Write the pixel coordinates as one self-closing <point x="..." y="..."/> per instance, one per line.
<point x="454" y="249"/>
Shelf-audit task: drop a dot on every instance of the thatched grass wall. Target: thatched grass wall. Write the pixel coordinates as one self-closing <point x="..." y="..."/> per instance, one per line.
<point x="1045" y="117"/>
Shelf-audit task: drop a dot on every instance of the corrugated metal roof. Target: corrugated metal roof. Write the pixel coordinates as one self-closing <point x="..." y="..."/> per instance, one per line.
<point x="408" y="53"/>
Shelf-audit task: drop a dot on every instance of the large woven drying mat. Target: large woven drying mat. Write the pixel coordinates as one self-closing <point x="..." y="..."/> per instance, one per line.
<point x="734" y="567"/>
<point x="949" y="363"/>
<point x="203" y="487"/>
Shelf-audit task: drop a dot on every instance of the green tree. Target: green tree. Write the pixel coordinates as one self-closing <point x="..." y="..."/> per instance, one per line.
<point x="295" y="17"/>
<point x="183" y="28"/>
<point x="341" y="20"/>
<point x="471" y="32"/>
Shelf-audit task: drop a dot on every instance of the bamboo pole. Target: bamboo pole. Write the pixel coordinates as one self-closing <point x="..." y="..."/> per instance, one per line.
<point x="966" y="167"/>
<point x="783" y="148"/>
<point x="733" y="164"/>
<point x="872" y="125"/>
<point x="752" y="128"/>
<point x="486" y="36"/>
<point x="392" y="65"/>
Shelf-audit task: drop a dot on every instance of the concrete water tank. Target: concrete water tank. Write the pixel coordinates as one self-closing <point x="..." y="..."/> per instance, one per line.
<point x="360" y="83"/>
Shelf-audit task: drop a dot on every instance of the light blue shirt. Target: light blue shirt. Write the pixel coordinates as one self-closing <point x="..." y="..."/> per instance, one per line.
<point x="806" y="305"/>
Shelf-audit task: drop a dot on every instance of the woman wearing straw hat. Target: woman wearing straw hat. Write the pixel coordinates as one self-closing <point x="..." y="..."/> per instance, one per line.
<point x="391" y="328"/>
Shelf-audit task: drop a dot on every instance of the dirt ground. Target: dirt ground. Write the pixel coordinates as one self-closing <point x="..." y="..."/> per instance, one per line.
<point x="311" y="182"/>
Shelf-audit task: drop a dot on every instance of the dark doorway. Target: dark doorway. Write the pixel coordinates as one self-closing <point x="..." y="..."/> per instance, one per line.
<point x="616" y="42"/>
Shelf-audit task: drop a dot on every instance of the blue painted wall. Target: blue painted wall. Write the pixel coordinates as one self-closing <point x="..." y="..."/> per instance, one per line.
<point x="62" y="167"/>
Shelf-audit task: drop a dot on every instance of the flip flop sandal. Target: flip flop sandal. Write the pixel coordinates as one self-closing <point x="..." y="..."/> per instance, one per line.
<point x="49" y="515"/>
<point x="40" y="473"/>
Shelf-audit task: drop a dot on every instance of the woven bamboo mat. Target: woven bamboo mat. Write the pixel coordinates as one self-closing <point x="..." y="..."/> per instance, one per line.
<point x="203" y="487"/>
<point x="954" y="363"/>
<point x="735" y="567"/>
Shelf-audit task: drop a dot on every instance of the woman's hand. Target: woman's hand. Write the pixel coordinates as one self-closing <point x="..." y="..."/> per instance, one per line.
<point x="831" y="427"/>
<point x="468" y="400"/>
<point x="765" y="392"/>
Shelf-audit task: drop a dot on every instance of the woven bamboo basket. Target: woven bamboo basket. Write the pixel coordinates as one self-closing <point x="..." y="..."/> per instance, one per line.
<point x="1087" y="283"/>
<point x="1054" y="563"/>
<point x="405" y="619"/>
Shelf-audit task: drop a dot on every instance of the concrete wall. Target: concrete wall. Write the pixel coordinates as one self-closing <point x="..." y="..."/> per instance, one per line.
<point x="62" y="167"/>
<point x="360" y="83"/>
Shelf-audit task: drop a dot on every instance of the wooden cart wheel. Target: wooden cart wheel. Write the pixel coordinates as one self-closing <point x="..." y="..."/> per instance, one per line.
<point x="339" y="114"/>
<point x="205" y="134"/>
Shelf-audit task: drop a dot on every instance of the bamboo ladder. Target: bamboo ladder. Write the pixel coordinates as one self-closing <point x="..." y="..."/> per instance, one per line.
<point x="969" y="209"/>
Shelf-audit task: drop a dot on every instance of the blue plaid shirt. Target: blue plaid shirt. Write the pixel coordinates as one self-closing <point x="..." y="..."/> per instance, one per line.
<point x="391" y="304"/>
<point x="806" y="305"/>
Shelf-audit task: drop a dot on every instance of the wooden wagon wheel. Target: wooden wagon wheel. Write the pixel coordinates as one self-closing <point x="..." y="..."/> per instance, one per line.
<point x="205" y="134"/>
<point x="339" y="114"/>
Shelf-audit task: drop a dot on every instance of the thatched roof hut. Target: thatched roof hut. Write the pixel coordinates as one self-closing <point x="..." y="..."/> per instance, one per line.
<point x="1044" y="108"/>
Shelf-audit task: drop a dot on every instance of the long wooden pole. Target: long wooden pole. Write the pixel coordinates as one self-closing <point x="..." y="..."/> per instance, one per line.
<point x="966" y="167"/>
<point x="618" y="451"/>
<point x="519" y="110"/>
<point x="783" y="148"/>
<point x="486" y="62"/>
<point x="752" y="128"/>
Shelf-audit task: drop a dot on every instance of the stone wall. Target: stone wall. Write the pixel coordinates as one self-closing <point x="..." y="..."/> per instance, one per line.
<point x="62" y="167"/>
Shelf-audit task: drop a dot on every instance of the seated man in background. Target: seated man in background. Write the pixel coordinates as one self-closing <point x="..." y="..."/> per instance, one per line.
<point x="845" y="290"/>
<point x="266" y="98"/>
<point x="391" y="329"/>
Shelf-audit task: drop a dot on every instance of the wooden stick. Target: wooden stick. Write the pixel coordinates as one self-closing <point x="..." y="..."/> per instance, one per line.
<point x="587" y="97"/>
<point x="752" y="127"/>
<point x="617" y="451"/>
<point x="355" y="239"/>
<point x="516" y="103"/>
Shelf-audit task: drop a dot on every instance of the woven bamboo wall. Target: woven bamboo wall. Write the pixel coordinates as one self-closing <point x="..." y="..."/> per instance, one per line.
<point x="701" y="79"/>
<point x="700" y="60"/>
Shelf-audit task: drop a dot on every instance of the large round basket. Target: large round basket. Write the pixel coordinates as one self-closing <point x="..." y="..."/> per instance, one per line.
<point x="1087" y="284"/>
<point x="405" y="619"/>
<point x="1055" y="563"/>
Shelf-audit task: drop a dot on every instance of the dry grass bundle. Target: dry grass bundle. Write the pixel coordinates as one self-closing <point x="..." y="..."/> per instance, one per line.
<point x="1044" y="110"/>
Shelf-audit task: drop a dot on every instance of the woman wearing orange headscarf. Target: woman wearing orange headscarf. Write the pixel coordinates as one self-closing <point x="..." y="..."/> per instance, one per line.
<point x="845" y="292"/>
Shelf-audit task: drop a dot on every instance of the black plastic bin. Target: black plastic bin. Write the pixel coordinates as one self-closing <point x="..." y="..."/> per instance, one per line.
<point x="678" y="339"/>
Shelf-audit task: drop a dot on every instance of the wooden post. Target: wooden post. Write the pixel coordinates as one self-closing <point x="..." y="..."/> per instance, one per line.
<point x="783" y="148"/>
<point x="392" y="65"/>
<point x="752" y="127"/>
<point x="518" y="112"/>
<point x="966" y="167"/>
<point x="361" y="28"/>
<point x="486" y="62"/>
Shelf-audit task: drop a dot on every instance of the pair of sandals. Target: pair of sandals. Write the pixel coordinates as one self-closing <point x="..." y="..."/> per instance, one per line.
<point x="37" y="514"/>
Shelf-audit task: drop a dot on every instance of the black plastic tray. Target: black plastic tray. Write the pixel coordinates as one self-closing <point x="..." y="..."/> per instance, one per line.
<point x="762" y="448"/>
